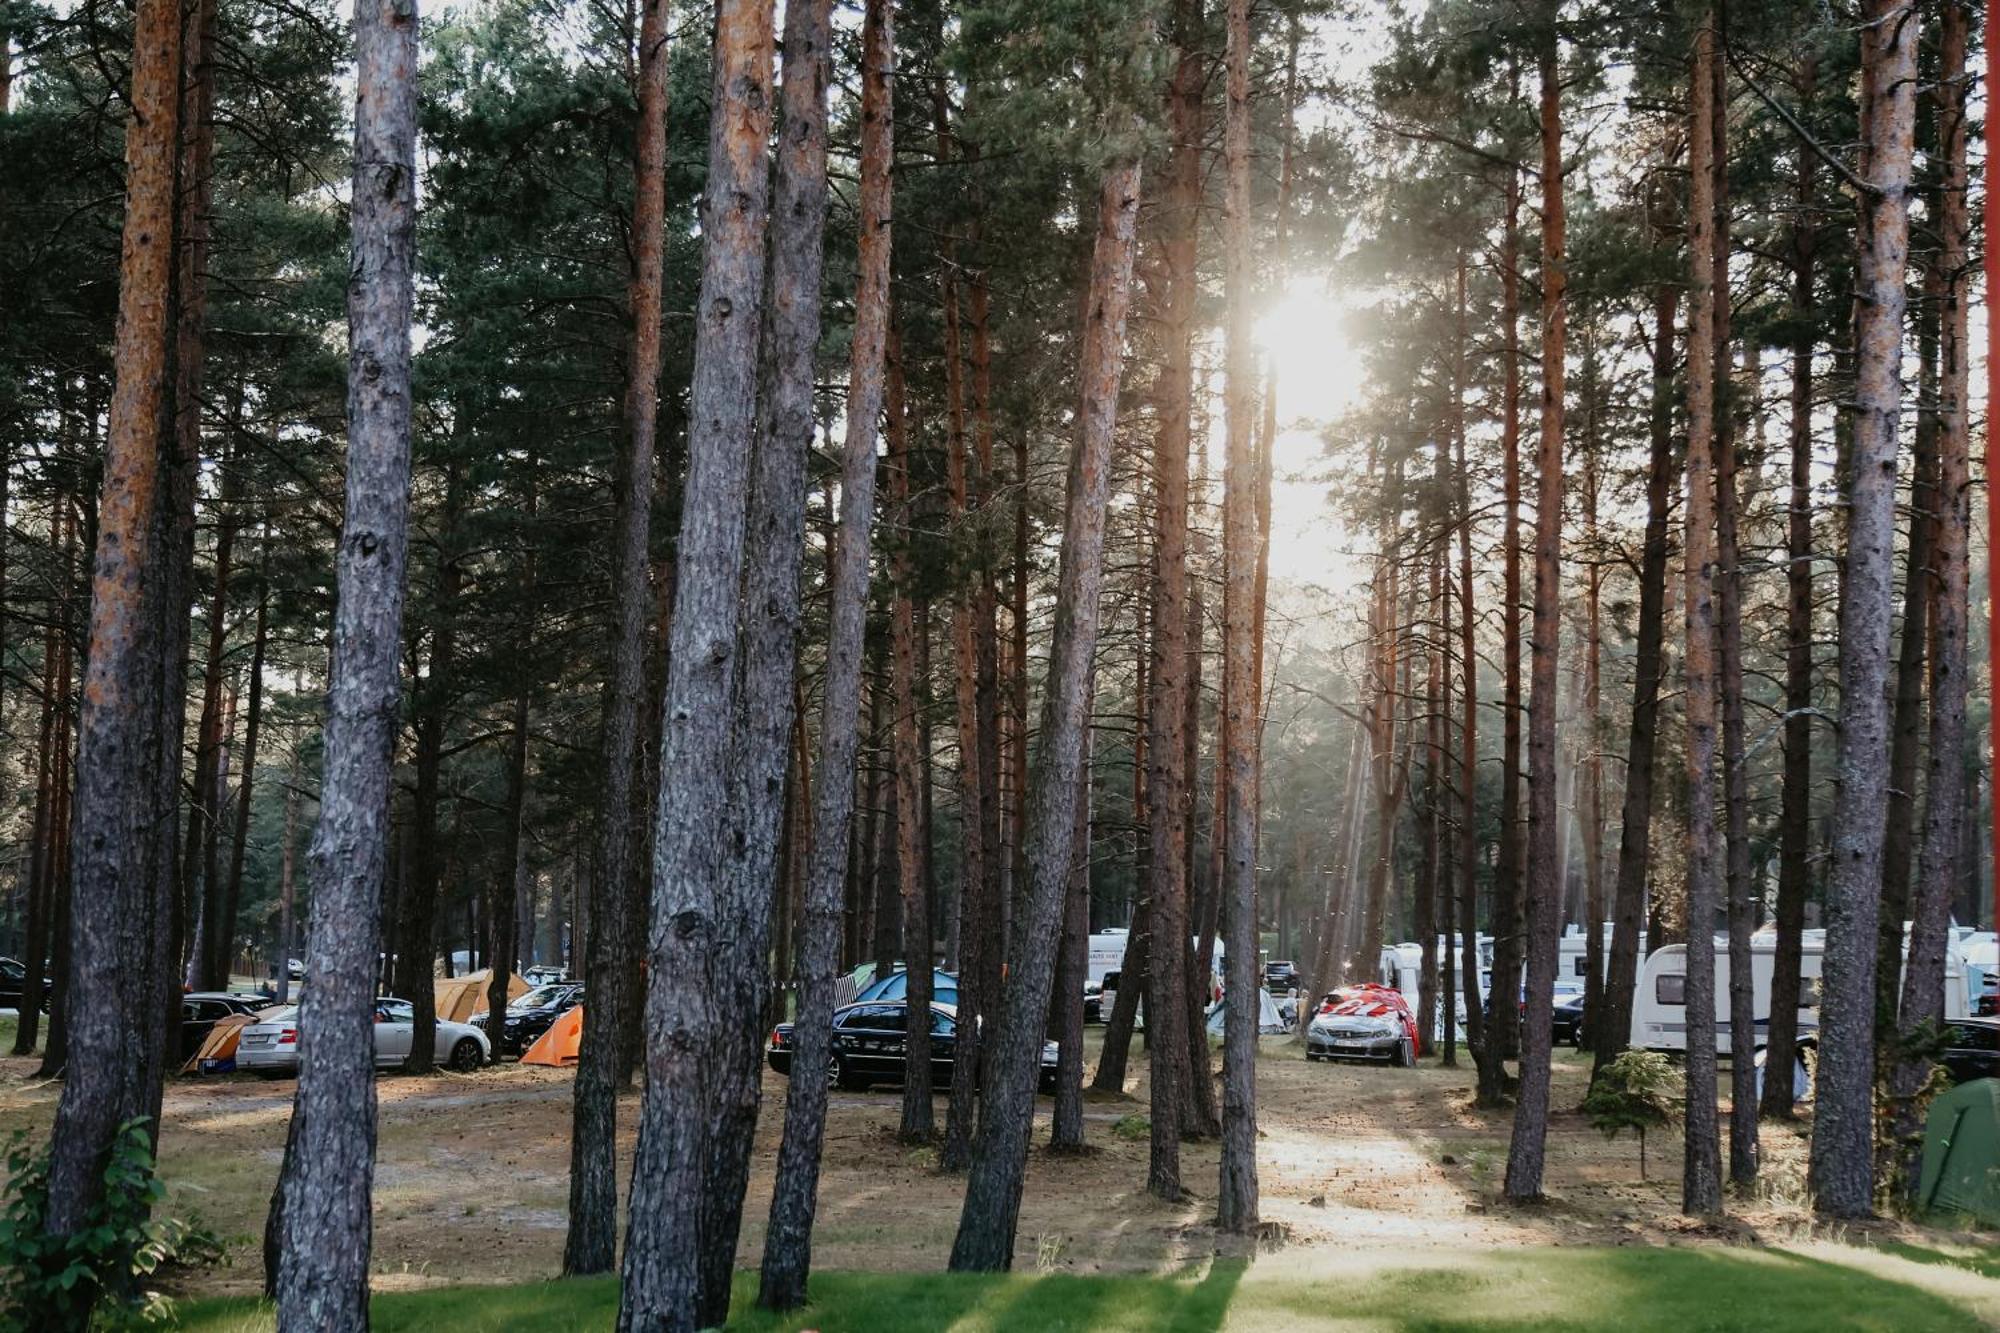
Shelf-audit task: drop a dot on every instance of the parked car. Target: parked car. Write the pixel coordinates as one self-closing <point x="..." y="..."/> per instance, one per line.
<point x="202" y="1010"/>
<point x="944" y="988"/>
<point x="1093" y="1002"/>
<point x="1365" y="1022"/>
<point x="529" y="1016"/>
<point x="1281" y="977"/>
<point x="1972" y="1049"/>
<point x="271" y="1045"/>
<point x="14" y="983"/>
<point x="543" y="974"/>
<point x="1567" y="1020"/>
<point x="869" y="1046"/>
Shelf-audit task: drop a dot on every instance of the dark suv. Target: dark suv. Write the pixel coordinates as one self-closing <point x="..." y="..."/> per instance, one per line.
<point x="530" y="1016"/>
<point x="869" y="1046"/>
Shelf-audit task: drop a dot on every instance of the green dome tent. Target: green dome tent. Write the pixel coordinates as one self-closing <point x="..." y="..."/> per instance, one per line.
<point x="1962" y="1152"/>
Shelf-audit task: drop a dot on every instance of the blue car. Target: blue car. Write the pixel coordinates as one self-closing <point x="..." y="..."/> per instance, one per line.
<point x="944" y="988"/>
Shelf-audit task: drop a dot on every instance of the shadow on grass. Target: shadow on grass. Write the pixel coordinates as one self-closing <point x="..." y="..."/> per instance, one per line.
<point x="1566" y="1291"/>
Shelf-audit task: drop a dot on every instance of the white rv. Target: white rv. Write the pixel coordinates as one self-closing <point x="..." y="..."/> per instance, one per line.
<point x="1659" y="1008"/>
<point x="1107" y="954"/>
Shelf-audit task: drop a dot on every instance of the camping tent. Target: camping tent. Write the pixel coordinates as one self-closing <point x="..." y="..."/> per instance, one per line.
<point x="1270" y="1022"/>
<point x="218" y="1050"/>
<point x="558" y="1046"/>
<point x="459" y="998"/>
<point x="1962" y="1152"/>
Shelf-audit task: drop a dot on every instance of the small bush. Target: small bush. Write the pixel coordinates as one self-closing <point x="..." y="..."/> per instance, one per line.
<point x="1132" y="1128"/>
<point x="96" y="1277"/>
<point x="1633" y="1092"/>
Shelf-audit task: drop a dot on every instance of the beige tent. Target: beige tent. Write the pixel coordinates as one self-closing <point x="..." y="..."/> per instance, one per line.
<point x="459" y="998"/>
<point x="220" y="1044"/>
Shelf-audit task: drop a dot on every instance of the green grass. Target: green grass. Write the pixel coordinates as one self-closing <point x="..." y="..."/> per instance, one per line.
<point x="1673" y="1290"/>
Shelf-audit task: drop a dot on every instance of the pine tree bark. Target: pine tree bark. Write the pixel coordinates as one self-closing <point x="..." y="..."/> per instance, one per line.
<point x="1169" y="794"/>
<point x="770" y="627"/>
<point x="1729" y="583"/>
<point x="1628" y="900"/>
<point x="608" y="944"/>
<point x="416" y="926"/>
<point x="328" y="1175"/>
<point x="1503" y="1023"/>
<point x="690" y="865"/>
<point x="1795" y="800"/>
<point x="1945" y="789"/>
<point x="1236" y="1202"/>
<point x="1840" y="1176"/>
<point x="116" y="980"/>
<point x="1072" y="961"/>
<point x="988" y="1221"/>
<point x="1526" y="1153"/>
<point x="253" y="726"/>
<point x="1701" y="1175"/>
<point x="794" y="1195"/>
<point x="210" y="961"/>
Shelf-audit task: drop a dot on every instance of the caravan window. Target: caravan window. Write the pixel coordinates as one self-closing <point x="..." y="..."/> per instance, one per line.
<point x="1670" y="988"/>
<point x="1582" y="966"/>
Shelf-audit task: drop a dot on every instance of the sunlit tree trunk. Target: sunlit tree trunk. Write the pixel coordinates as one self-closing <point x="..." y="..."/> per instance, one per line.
<point x="1944" y="810"/>
<point x="691" y="905"/>
<point x="1543" y="920"/>
<point x="610" y="943"/>
<point x="988" y="1221"/>
<point x="1841" y="1177"/>
<point x="1701" y="1177"/>
<point x="329" y="1164"/>
<point x="794" y="1195"/>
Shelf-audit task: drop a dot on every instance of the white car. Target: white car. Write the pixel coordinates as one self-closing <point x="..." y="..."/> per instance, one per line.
<point x="272" y="1045"/>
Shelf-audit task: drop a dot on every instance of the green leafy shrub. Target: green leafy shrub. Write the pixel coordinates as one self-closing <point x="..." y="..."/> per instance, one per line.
<point x="99" y="1276"/>
<point x="1632" y="1092"/>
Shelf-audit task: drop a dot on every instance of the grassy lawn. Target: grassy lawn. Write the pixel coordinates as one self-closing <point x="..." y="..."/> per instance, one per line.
<point x="1673" y="1290"/>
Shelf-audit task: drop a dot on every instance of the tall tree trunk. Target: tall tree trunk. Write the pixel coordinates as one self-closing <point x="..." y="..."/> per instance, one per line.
<point x="329" y="1169"/>
<point x="1795" y="813"/>
<point x="1430" y="822"/>
<point x="116" y="983"/>
<point x="690" y="865"/>
<point x="1525" y="1153"/>
<point x="1169" y="794"/>
<point x="987" y="1224"/>
<point x="1701" y="1176"/>
<point x="1944" y="809"/>
<point x="1503" y="1023"/>
<point x="794" y="1196"/>
<point x="253" y="726"/>
<point x="416" y="931"/>
<point x="740" y="971"/>
<point x="1236" y="1201"/>
<point x="912" y="826"/>
<point x="1841" y="1177"/>
<point x="1487" y="1052"/>
<point x="502" y="921"/>
<point x="1729" y="584"/>
<point x="608" y="945"/>
<point x="210" y="961"/>
<point x="1591" y="814"/>
<point x="1628" y="900"/>
<point x="1202" y="1117"/>
<point x="1072" y="962"/>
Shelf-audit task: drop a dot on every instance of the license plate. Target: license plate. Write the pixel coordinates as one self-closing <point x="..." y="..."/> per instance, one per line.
<point x="262" y="1039"/>
<point x="1350" y="1042"/>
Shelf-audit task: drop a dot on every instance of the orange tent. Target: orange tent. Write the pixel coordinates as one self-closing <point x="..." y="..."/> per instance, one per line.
<point x="558" y="1046"/>
<point x="220" y="1045"/>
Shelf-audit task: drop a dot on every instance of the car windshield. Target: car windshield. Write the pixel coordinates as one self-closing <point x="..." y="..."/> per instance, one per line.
<point x="541" y="997"/>
<point x="399" y="1011"/>
<point x="10" y="968"/>
<point x="289" y="1014"/>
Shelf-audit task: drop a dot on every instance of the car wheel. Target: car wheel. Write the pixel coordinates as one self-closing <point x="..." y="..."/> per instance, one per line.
<point x="466" y="1056"/>
<point x="1400" y="1057"/>
<point x="838" y="1074"/>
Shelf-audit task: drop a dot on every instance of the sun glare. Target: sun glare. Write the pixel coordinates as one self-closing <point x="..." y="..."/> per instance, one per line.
<point x="1305" y="340"/>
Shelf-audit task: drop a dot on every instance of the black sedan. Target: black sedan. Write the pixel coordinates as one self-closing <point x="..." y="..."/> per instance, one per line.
<point x="14" y="980"/>
<point x="1567" y="1020"/>
<point x="869" y="1044"/>
<point x="202" y="1010"/>
<point x="530" y="1016"/>
<point x="1972" y="1049"/>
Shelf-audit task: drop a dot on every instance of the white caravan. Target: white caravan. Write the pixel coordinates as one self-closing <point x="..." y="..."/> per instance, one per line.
<point x="1659" y="1008"/>
<point x="1107" y="954"/>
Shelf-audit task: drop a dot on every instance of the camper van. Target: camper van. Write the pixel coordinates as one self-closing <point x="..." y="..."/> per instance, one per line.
<point x="1572" y="955"/>
<point x="1659" y="1008"/>
<point x="1107" y="954"/>
<point x="1401" y="967"/>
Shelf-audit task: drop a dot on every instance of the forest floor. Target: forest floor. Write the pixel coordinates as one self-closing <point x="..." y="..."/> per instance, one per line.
<point x="1363" y="1170"/>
